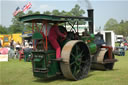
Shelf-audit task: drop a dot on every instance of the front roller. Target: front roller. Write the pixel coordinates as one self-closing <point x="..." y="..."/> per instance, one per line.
<point x="102" y="61"/>
<point x="76" y="60"/>
<point x="111" y="62"/>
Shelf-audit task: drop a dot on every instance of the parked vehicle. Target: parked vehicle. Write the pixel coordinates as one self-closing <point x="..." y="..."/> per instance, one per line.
<point x="119" y="38"/>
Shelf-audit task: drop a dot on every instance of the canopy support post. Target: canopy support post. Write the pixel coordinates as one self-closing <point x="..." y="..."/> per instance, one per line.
<point x="32" y="33"/>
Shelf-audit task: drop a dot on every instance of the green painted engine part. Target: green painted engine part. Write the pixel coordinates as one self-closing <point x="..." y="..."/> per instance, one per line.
<point x="37" y="35"/>
<point x="89" y="40"/>
<point x="92" y="48"/>
<point x="44" y="65"/>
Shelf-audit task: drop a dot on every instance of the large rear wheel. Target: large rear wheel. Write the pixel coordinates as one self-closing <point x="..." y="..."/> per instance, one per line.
<point x="76" y="60"/>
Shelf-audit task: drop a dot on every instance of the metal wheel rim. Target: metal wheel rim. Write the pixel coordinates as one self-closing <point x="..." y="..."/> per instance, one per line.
<point x="76" y="64"/>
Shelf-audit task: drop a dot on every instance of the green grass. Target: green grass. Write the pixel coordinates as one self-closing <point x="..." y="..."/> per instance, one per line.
<point x="117" y="44"/>
<point x="20" y="73"/>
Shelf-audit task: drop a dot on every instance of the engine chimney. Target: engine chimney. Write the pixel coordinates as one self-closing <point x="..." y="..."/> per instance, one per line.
<point x="90" y="15"/>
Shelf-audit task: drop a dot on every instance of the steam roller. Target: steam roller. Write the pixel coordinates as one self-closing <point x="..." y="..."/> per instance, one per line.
<point x="79" y="51"/>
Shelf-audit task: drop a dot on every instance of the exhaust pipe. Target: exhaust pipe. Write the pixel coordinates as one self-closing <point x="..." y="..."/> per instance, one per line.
<point x="91" y="26"/>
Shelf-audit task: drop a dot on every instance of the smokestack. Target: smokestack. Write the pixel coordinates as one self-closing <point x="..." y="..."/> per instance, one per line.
<point x="90" y="15"/>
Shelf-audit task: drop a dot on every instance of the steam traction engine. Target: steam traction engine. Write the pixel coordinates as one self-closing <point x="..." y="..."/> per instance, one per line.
<point x="79" y="52"/>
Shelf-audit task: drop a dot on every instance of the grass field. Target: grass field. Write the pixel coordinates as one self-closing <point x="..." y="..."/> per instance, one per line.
<point x="20" y="73"/>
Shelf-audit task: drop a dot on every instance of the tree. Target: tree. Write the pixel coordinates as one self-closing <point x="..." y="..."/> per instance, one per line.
<point x="56" y="12"/>
<point x="124" y="26"/>
<point x="17" y="26"/>
<point x="76" y="11"/>
<point x="122" y="21"/>
<point x="110" y="23"/>
<point x="119" y="28"/>
<point x="63" y="13"/>
<point x="30" y="12"/>
<point x="3" y="30"/>
<point x="47" y="12"/>
<point x="37" y="12"/>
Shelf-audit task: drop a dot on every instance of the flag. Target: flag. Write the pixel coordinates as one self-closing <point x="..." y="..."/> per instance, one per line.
<point x="16" y="11"/>
<point x="27" y="6"/>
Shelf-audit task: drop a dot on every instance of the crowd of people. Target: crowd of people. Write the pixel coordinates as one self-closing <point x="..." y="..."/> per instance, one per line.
<point x="17" y="46"/>
<point x="17" y="49"/>
<point x="123" y="47"/>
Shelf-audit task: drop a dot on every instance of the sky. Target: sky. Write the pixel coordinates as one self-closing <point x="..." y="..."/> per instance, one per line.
<point x="103" y="9"/>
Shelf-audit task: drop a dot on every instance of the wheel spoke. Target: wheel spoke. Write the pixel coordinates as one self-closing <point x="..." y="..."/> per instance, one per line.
<point x="74" y="70"/>
<point x="72" y="63"/>
<point x="73" y="55"/>
<point x="78" y="59"/>
<point x="80" y="55"/>
<point x="76" y="50"/>
<point x="77" y="70"/>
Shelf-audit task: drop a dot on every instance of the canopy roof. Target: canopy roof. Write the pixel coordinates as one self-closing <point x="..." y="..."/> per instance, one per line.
<point x="49" y="18"/>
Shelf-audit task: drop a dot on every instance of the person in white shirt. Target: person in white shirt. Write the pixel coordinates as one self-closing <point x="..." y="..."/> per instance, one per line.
<point x="18" y="46"/>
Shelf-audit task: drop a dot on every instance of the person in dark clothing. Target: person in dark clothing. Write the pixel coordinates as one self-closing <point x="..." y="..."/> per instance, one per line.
<point x="85" y="33"/>
<point x="99" y="39"/>
<point x="12" y="44"/>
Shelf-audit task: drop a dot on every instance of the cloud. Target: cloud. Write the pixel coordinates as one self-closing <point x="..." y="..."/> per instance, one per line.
<point x="44" y="7"/>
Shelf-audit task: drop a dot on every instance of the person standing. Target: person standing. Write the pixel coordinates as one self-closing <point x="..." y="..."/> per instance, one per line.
<point x="0" y="43"/>
<point x="122" y="50"/>
<point x="54" y="33"/>
<point x="12" y="44"/>
<point x="18" y="46"/>
<point x="23" y="43"/>
<point x="125" y="46"/>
